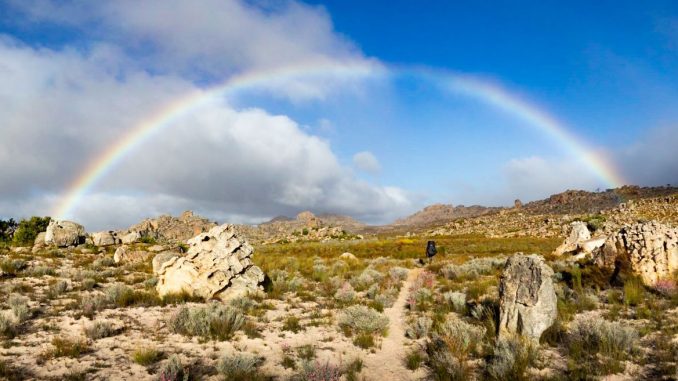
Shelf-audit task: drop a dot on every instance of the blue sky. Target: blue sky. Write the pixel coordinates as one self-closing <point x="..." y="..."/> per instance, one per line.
<point x="80" y="76"/>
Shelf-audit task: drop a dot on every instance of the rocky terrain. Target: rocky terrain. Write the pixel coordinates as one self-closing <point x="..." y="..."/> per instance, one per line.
<point x="533" y="292"/>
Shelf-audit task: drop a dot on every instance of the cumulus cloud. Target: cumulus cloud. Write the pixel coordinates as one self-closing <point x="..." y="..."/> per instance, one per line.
<point x="366" y="161"/>
<point x="65" y="107"/>
<point x="212" y="40"/>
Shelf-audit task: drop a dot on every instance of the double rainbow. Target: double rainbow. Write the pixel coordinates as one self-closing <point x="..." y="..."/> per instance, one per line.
<point x="475" y="88"/>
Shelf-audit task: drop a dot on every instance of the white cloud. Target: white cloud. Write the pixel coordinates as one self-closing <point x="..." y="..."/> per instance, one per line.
<point x="64" y="108"/>
<point x="366" y="161"/>
<point x="534" y="177"/>
<point x="653" y="159"/>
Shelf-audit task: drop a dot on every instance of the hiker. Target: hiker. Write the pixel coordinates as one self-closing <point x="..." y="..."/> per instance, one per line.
<point x="431" y="250"/>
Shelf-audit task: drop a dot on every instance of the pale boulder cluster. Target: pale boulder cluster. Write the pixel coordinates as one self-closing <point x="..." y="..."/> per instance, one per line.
<point x="218" y="263"/>
<point x="649" y="248"/>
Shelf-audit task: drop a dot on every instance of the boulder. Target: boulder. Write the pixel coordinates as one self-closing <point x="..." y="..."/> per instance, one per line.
<point x="579" y="233"/>
<point x="218" y="264"/>
<point x="131" y="237"/>
<point x="39" y="242"/>
<point x="527" y="298"/>
<point x="124" y="254"/>
<point x="649" y="249"/>
<point x="105" y="238"/>
<point x="348" y="256"/>
<point x="161" y="258"/>
<point x="64" y="233"/>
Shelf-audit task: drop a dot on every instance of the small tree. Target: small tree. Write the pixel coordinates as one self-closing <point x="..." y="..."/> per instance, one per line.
<point x="28" y="229"/>
<point x="7" y="229"/>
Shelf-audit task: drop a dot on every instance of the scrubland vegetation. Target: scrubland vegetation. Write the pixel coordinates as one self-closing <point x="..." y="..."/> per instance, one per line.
<point x="327" y="317"/>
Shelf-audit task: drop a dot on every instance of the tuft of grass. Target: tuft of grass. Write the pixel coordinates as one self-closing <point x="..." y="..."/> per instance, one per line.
<point x="414" y="359"/>
<point x="292" y="324"/>
<point x="634" y="291"/>
<point x="19" y="306"/>
<point x="146" y="356"/>
<point x="364" y="340"/>
<point x="12" y="267"/>
<point x="65" y="347"/>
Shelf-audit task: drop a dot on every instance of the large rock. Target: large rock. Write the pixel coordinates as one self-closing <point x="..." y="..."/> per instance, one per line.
<point x="125" y="254"/>
<point x="579" y="233"/>
<point x="168" y="228"/>
<point x="161" y="258"/>
<point x="527" y="299"/>
<point x="218" y="264"/>
<point x="64" y="233"/>
<point x="105" y="238"/>
<point x="649" y="249"/>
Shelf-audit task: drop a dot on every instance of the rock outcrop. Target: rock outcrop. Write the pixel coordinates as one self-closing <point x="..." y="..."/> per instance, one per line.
<point x="579" y="233"/>
<point x="218" y="264"/>
<point x="168" y="228"/>
<point x="527" y="298"/>
<point x="64" y="233"/>
<point x="649" y="249"/>
<point x="106" y="238"/>
<point x="125" y="254"/>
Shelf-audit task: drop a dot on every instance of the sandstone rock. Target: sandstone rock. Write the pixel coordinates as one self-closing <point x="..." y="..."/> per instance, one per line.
<point x="131" y="237"/>
<point x="125" y="254"/>
<point x="156" y="248"/>
<point x="218" y="264"/>
<point x="578" y="234"/>
<point x="161" y="258"/>
<point x="650" y="249"/>
<point x="39" y="242"/>
<point x="168" y="228"/>
<point x="105" y="238"/>
<point x="527" y="298"/>
<point x="348" y="256"/>
<point x="64" y="233"/>
<point x="518" y="204"/>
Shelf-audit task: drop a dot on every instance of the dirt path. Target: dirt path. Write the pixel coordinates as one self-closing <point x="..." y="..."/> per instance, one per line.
<point x="388" y="363"/>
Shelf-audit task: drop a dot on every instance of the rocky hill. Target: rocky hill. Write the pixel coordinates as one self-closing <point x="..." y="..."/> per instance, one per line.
<point x="305" y="227"/>
<point x="442" y="213"/>
<point x="553" y="223"/>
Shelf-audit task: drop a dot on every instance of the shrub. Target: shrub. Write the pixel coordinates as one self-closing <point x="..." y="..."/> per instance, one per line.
<point x="90" y="304"/>
<point x="12" y="267"/>
<point x="146" y="356"/>
<point x="364" y="340"/>
<point x="366" y="279"/>
<point x="317" y="371"/>
<point x="306" y="352"/>
<point x="473" y="268"/>
<point x="7" y="229"/>
<point x="362" y="319"/>
<point x="455" y="299"/>
<point x="352" y="369"/>
<point x="461" y="337"/>
<point x="99" y="330"/>
<point x="387" y="297"/>
<point x="511" y="359"/>
<point x="443" y="364"/>
<point x="9" y="324"/>
<point x="240" y="367"/>
<point x="172" y="370"/>
<point x="213" y="321"/>
<point x="100" y="263"/>
<point x="57" y="289"/>
<point x="27" y="230"/>
<point x="419" y="327"/>
<point x="587" y="335"/>
<point x="398" y="273"/>
<point x="19" y="306"/>
<point x="345" y="294"/>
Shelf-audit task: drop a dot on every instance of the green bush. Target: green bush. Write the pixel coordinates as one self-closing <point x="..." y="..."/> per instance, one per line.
<point x="27" y="230"/>
<point x="7" y="229"/>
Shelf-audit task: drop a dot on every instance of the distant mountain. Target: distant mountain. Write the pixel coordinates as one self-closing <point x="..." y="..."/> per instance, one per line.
<point x="442" y="213"/>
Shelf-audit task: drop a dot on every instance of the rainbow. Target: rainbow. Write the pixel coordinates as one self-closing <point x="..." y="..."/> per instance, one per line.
<point x="475" y="88"/>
